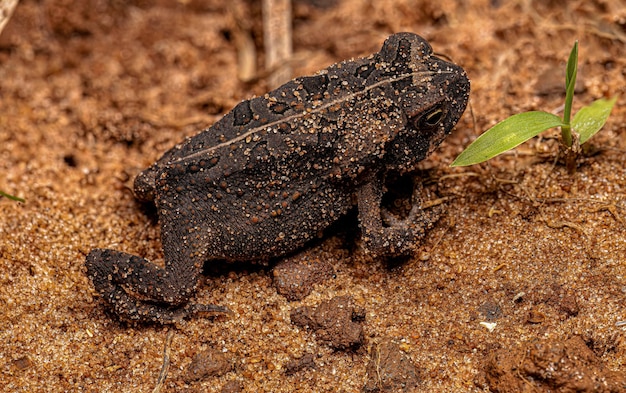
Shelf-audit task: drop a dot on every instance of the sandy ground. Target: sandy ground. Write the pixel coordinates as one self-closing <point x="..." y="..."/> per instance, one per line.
<point x="92" y="92"/>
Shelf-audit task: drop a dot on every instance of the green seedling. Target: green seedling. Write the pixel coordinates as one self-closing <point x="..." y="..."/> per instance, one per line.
<point x="519" y="128"/>
<point x="13" y="198"/>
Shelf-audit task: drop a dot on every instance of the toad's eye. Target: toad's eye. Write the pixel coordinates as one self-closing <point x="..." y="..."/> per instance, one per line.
<point x="430" y="119"/>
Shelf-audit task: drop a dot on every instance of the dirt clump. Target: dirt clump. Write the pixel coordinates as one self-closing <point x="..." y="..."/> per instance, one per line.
<point x="336" y="322"/>
<point x="208" y="363"/>
<point x="390" y="370"/>
<point x="297" y="364"/>
<point x="295" y="277"/>
<point x="551" y="366"/>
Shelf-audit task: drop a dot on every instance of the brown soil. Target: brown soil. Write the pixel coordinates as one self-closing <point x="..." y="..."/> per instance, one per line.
<point x="94" y="91"/>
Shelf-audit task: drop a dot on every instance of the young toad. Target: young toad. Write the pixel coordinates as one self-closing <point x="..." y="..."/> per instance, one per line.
<point x="278" y="169"/>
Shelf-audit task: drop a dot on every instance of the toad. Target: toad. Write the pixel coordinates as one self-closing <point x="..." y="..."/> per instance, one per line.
<point x="278" y="169"/>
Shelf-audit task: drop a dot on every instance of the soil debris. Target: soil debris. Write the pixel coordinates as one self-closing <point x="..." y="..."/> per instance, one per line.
<point x="390" y="369"/>
<point x="232" y="387"/>
<point x="551" y="366"/>
<point x="336" y="322"/>
<point x="295" y="277"/>
<point x="208" y="363"/>
<point x="301" y="363"/>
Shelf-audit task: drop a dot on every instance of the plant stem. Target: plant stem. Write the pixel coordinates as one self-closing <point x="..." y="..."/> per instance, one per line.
<point x="566" y="135"/>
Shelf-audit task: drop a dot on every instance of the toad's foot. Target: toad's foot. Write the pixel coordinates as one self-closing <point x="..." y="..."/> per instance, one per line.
<point x="383" y="233"/>
<point x="139" y="290"/>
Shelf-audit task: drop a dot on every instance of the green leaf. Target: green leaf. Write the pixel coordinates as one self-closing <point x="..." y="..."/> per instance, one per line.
<point x="506" y="135"/>
<point x="14" y="198"/>
<point x="570" y="85"/>
<point x="570" y="82"/>
<point x="590" y="119"/>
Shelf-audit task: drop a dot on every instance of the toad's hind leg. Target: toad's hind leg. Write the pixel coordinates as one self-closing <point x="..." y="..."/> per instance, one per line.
<point x="139" y="290"/>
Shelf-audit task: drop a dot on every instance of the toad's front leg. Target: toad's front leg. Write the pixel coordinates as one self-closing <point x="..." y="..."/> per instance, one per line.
<point x="139" y="290"/>
<point x="392" y="236"/>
